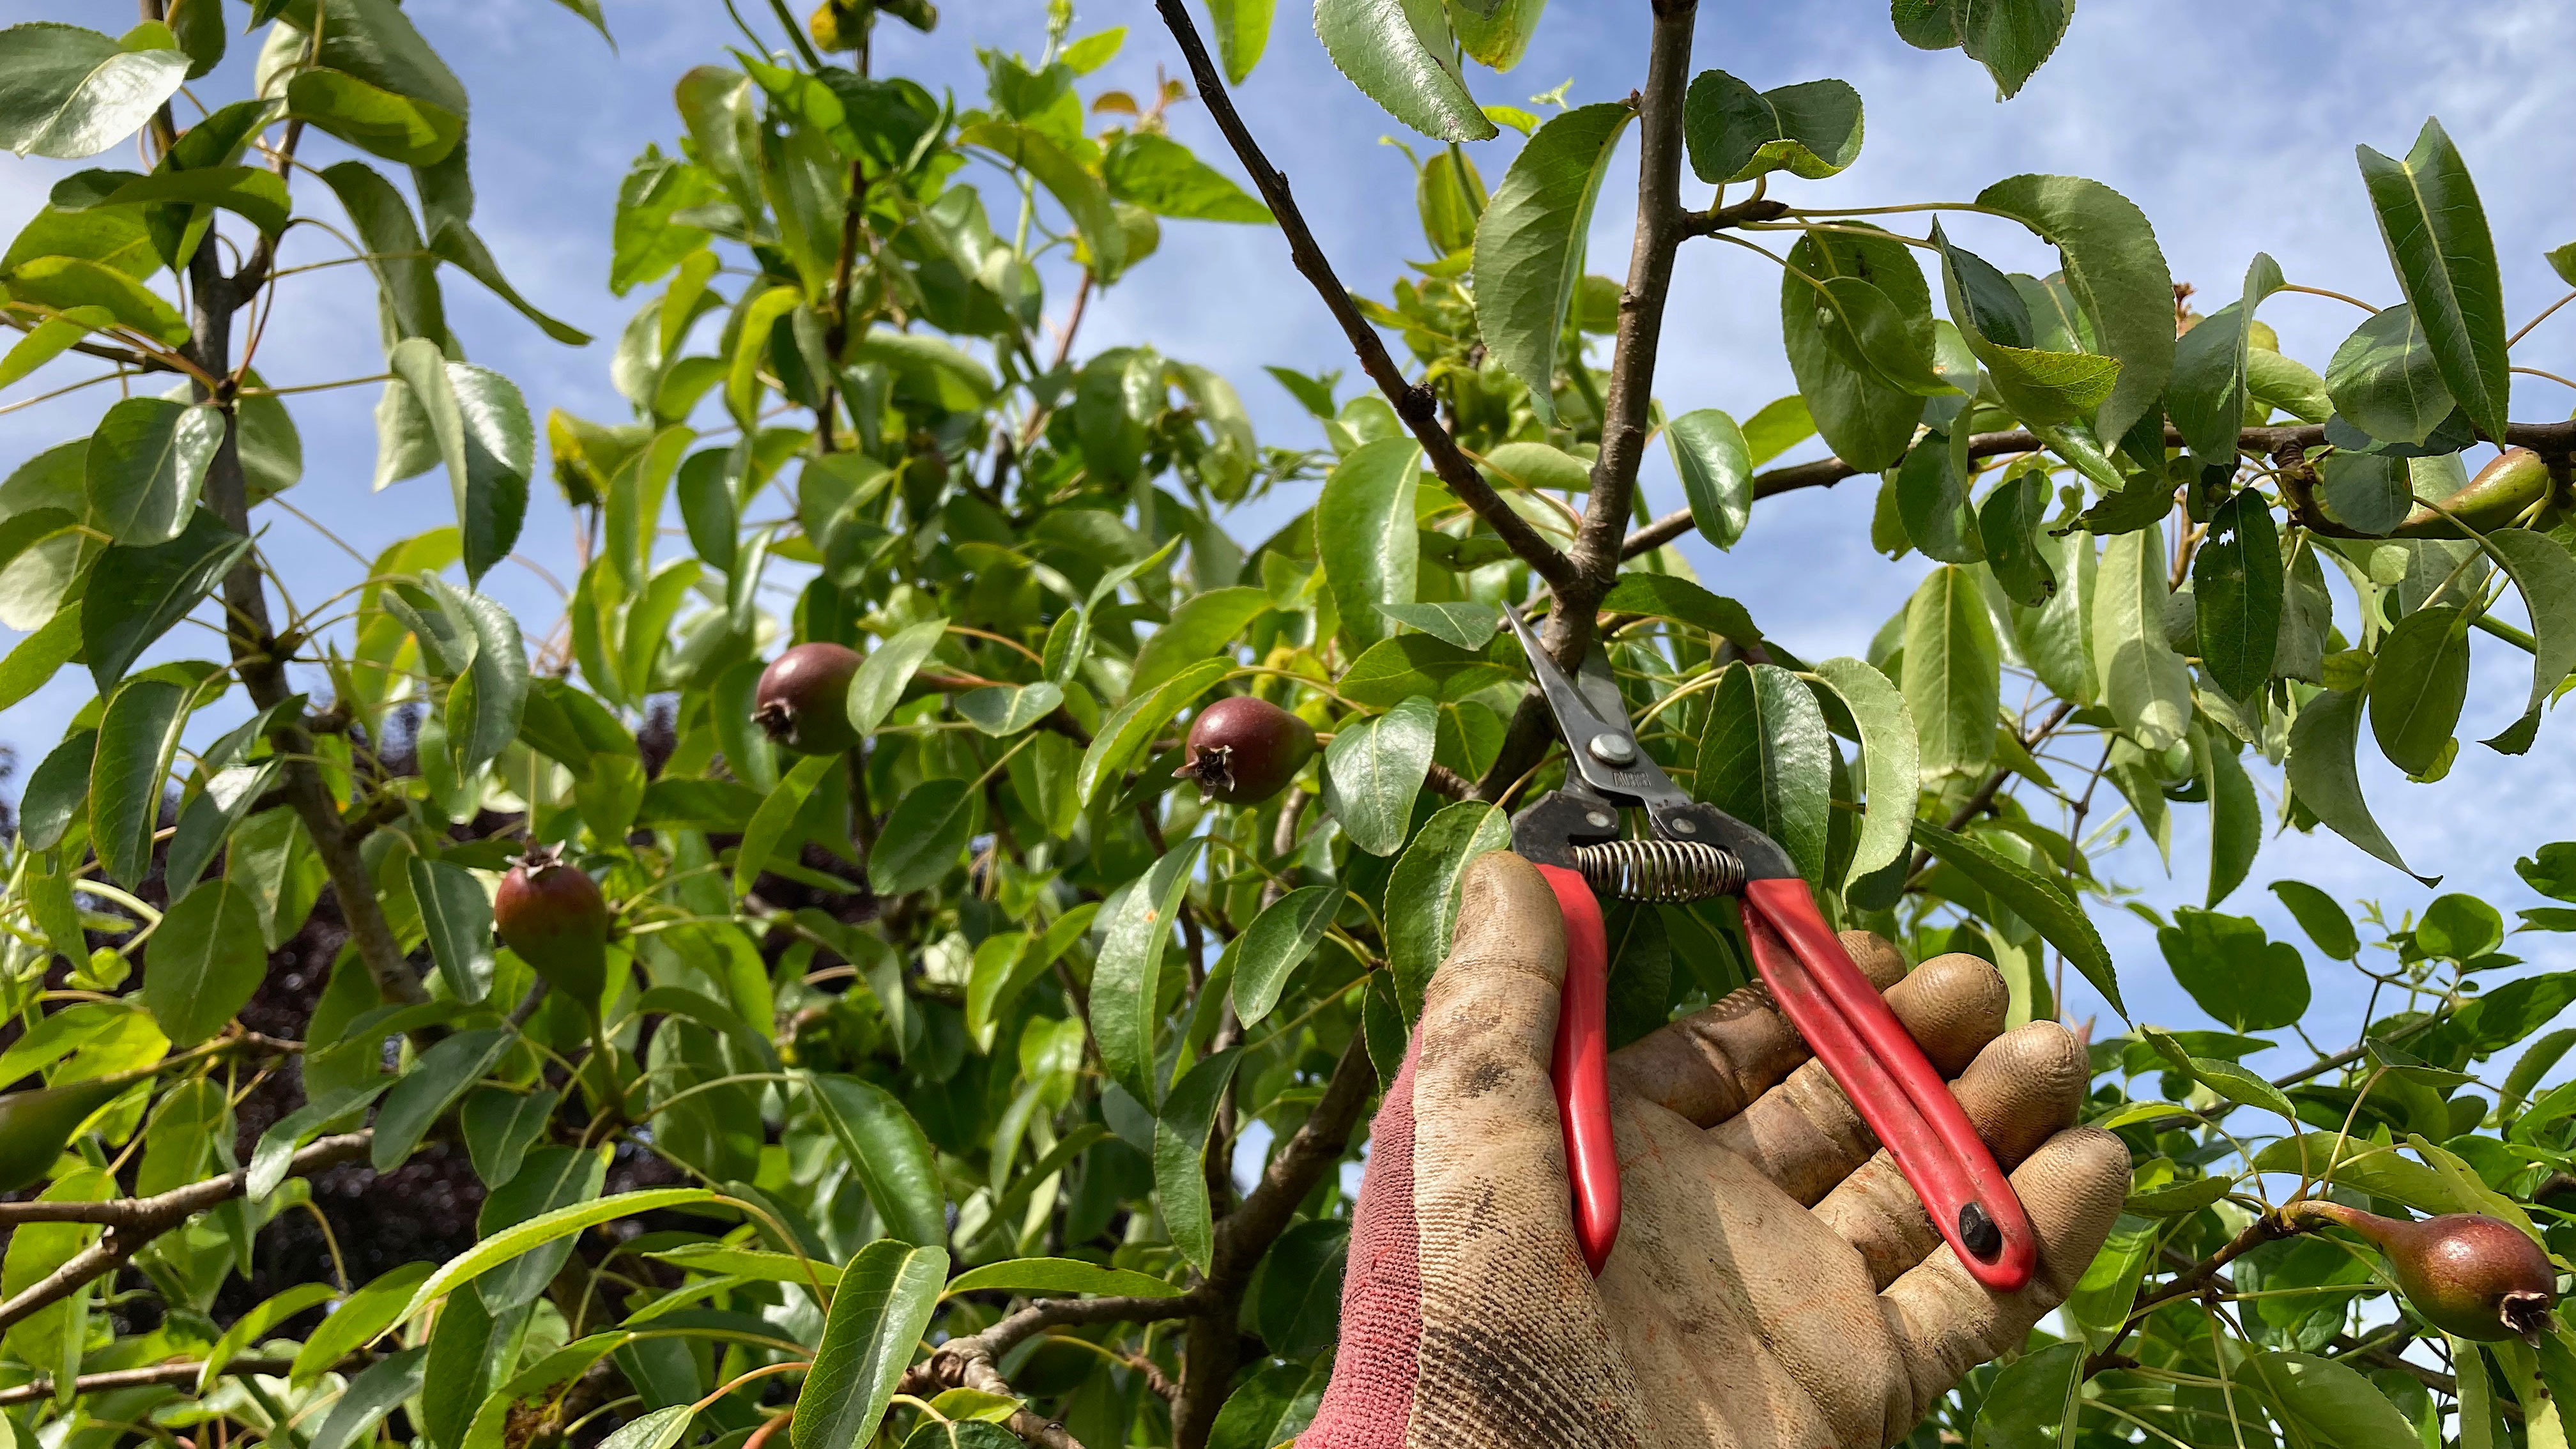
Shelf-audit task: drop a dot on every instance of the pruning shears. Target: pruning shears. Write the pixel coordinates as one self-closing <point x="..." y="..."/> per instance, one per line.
<point x="1695" y="851"/>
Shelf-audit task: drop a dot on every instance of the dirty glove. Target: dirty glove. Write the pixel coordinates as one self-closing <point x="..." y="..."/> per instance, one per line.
<point x="1776" y="1283"/>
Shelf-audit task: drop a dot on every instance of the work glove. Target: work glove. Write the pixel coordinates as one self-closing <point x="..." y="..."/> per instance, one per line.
<point x="1776" y="1282"/>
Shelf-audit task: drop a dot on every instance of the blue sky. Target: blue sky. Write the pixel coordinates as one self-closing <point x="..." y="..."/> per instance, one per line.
<point x="2231" y="122"/>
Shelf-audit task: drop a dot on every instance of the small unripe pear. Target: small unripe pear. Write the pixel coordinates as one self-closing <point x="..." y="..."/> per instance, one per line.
<point x="36" y="1126"/>
<point x="838" y="26"/>
<point x="1243" y="750"/>
<point x="553" y="915"/>
<point x="803" y="699"/>
<point x="2510" y="483"/>
<point x="2468" y="1274"/>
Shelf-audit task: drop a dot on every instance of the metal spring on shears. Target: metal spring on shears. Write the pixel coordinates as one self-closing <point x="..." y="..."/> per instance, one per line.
<point x="1669" y="871"/>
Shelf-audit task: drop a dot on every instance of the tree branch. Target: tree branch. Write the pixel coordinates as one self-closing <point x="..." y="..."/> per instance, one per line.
<point x="2552" y="440"/>
<point x="133" y="1222"/>
<point x="186" y="1372"/>
<point x="969" y="1362"/>
<point x="1413" y="403"/>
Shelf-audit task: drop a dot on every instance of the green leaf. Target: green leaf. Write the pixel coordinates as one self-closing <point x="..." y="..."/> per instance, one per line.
<point x="1072" y="184"/>
<point x="1665" y="596"/>
<point x="2321" y="917"/>
<point x="74" y="92"/>
<point x="50" y="339"/>
<point x="1953" y="673"/>
<point x="1932" y="502"/>
<point x="887" y="1294"/>
<point x="2115" y="271"/>
<point x="2320" y="1401"/>
<point x="2033" y="1400"/>
<point x="2542" y="569"/>
<point x="1242" y="33"/>
<point x="662" y="1428"/>
<point x="1529" y="242"/>
<point x="1766" y="759"/>
<point x="2437" y="240"/>
<point x="57" y="792"/>
<point x="155" y="589"/>
<point x="2418" y="682"/>
<point x="145" y="464"/>
<point x="356" y="1321"/>
<point x="2101" y="1302"/>
<point x="2044" y="388"/>
<point x="2235" y="973"/>
<point x="1159" y="174"/>
<point x="766" y="835"/>
<point x="1422" y="895"/>
<point x="2010" y="38"/>
<point x="1135" y="723"/>
<point x="922" y="837"/>
<point x="1007" y="709"/>
<point x="1180" y="1152"/>
<point x="2008" y="530"/>
<point x="458" y="917"/>
<point x="2146" y="686"/>
<point x="1736" y="133"/>
<point x="1375" y="768"/>
<point x="2054" y="914"/>
<point x="879" y="685"/>
<point x="1059" y="1278"/>
<point x="1365" y="536"/>
<point x="375" y="120"/>
<point x="2323" y="778"/>
<point x="1716" y="470"/>
<point x="1205" y="624"/>
<point x="1271" y="1407"/>
<point x="1868" y="421"/>
<point x="1466" y="625"/>
<point x="138" y="734"/>
<point x="518" y="1238"/>
<point x="275" y="1153"/>
<point x="204" y="962"/>
<point x="721" y="1261"/>
<point x="481" y="427"/>
<point x="70" y="283"/>
<point x="1276" y="943"/>
<point x="256" y="1324"/>
<point x="1891" y="763"/>
<point x="1538" y="465"/>
<point x="429" y="1088"/>
<point x="888" y="1154"/>
<point x="1398" y="54"/>
<point x="1409" y="664"/>
<point x="2384" y="379"/>
<point x="2236" y="816"/>
<point x="1126" y="979"/>
<point x="2237" y="586"/>
<point x="2180" y="1201"/>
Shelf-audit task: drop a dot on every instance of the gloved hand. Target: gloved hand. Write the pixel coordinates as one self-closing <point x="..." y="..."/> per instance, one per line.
<point x="1776" y="1283"/>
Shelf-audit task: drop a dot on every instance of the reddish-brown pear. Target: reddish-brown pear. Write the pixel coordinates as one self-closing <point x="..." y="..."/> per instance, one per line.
<point x="2469" y="1274"/>
<point x="803" y="700"/>
<point x="1243" y="750"/>
<point x="553" y="915"/>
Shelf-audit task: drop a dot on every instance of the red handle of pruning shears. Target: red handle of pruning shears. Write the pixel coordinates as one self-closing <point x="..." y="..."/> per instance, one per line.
<point x="1582" y="1067"/>
<point x="1883" y="1071"/>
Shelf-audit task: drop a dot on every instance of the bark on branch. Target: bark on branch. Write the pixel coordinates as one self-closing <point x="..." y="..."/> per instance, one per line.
<point x="1413" y="403"/>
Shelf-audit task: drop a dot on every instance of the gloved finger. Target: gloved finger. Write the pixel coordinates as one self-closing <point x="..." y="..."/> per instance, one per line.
<point x="1805" y="1135"/>
<point x="1945" y="1323"/>
<point x="1489" y="1152"/>
<point x="2024" y="1087"/>
<point x="1707" y="1066"/>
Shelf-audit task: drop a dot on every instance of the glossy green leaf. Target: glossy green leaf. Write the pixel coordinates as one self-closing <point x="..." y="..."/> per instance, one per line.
<point x="2384" y="378"/>
<point x="1007" y="709"/>
<point x="1932" y="501"/>
<point x="1365" y="534"/>
<point x="2236" y="819"/>
<point x="1409" y="664"/>
<point x="145" y="464"/>
<point x="1277" y="942"/>
<point x="510" y="1242"/>
<point x="922" y="837"/>
<point x="2033" y="1400"/>
<point x="357" y="1320"/>
<point x="2044" y="388"/>
<point x="882" y="678"/>
<point x="458" y="916"/>
<point x="1735" y="133"/>
<point x="1399" y="56"/>
<point x="1466" y="625"/>
<point x="883" y="1305"/>
<point x="1066" y="178"/>
<point x="1868" y="421"/>
<point x="2323" y="777"/>
<point x="415" y="1103"/>
<point x="380" y="122"/>
<point x="74" y="92"/>
<point x="2116" y="272"/>
<point x="1271" y="1407"/>
<point x="1665" y="596"/>
<point x="2417" y="685"/>
<point x="1205" y="624"/>
<point x="1159" y="174"/>
<point x="2041" y="902"/>
<point x="2237" y="586"/>
<point x="275" y="1153"/>
<point x="482" y="431"/>
<point x="1373" y="770"/>
<point x="2206" y="400"/>
<point x="1424" y="891"/>
<point x="766" y="835"/>
<point x="1242" y="33"/>
<point x="2438" y="242"/>
<point x="1060" y="1278"/>
<point x="2235" y="973"/>
<point x="1126" y="979"/>
<point x="1766" y="760"/>
<point x="204" y="962"/>
<point x="2321" y="917"/>
<point x="1180" y="1151"/>
<point x="1529" y="242"/>
<point x="2146" y="686"/>
<point x="2321" y="1401"/>
<point x="887" y="1153"/>
<point x="1891" y="762"/>
<point x="157" y="585"/>
<point x="1953" y="674"/>
<point x="137" y="737"/>
<point x="2545" y="573"/>
<point x="68" y="283"/>
<point x="1496" y="33"/>
<point x="1716" y="470"/>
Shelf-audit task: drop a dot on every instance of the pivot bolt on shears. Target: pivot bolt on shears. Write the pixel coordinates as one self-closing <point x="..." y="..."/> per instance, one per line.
<point x="1696" y="851"/>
